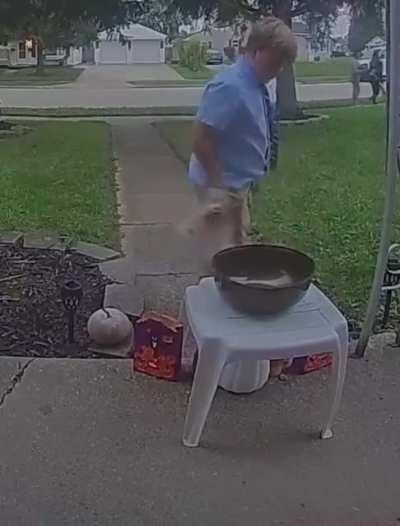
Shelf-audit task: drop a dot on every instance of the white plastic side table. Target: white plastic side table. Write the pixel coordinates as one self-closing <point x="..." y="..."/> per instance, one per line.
<point x="224" y="336"/>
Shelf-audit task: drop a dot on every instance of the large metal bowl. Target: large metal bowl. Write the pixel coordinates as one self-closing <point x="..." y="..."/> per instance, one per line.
<point x="262" y="279"/>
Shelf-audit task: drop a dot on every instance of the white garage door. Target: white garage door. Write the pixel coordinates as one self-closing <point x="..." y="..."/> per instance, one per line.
<point x="146" y="52"/>
<point x="112" y="53"/>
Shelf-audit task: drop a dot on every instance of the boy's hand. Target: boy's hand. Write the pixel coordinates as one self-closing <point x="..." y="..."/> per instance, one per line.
<point x="217" y="200"/>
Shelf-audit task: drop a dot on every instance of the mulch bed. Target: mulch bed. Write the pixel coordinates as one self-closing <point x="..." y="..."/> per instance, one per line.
<point x="32" y="316"/>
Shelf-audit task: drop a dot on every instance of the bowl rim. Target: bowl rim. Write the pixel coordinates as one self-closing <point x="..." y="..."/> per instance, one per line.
<point x="298" y="285"/>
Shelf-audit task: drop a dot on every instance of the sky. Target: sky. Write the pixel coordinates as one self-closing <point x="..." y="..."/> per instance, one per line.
<point x="341" y="28"/>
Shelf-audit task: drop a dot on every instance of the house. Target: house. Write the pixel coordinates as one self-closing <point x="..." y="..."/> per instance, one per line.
<point x="134" y="44"/>
<point x="230" y="37"/>
<point x="215" y="38"/>
<point x="376" y="43"/>
<point x="303" y="39"/>
<point x="19" y="53"/>
<point x="59" y="56"/>
<point x="24" y="53"/>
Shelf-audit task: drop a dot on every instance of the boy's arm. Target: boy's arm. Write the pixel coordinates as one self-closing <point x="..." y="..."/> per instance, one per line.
<point x="217" y="110"/>
<point x="205" y="148"/>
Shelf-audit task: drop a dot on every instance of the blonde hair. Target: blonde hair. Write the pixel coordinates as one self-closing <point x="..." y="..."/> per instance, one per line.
<point x="273" y="33"/>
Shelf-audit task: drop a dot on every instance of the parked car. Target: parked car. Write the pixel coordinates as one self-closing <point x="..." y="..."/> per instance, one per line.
<point x="365" y="60"/>
<point x="214" y="57"/>
<point x="338" y="53"/>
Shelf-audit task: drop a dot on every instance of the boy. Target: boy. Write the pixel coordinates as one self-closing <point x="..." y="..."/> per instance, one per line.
<point x="234" y="139"/>
<point x="233" y="132"/>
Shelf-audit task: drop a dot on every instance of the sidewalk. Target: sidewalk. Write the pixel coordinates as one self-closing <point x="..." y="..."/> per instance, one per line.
<point x="84" y="443"/>
<point x="155" y="197"/>
<point x="87" y="443"/>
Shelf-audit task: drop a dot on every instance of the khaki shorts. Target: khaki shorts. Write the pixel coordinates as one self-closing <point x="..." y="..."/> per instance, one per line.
<point x="231" y="228"/>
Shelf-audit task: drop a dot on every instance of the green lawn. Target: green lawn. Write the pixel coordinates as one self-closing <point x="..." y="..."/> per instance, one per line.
<point x="48" y="75"/>
<point x="327" y="196"/>
<point x="332" y="70"/>
<point x="58" y="178"/>
<point x="335" y="69"/>
<point x="202" y="74"/>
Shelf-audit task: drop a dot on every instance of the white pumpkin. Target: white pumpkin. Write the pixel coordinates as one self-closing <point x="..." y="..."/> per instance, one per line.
<point x="109" y="327"/>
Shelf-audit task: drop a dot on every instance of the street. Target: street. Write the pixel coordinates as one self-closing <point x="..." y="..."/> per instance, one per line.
<point x="82" y="96"/>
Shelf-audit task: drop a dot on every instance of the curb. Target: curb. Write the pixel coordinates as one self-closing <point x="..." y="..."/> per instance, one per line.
<point x="61" y="112"/>
<point x="171" y="111"/>
<point x="60" y="243"/>
<point x="308" y="120"/>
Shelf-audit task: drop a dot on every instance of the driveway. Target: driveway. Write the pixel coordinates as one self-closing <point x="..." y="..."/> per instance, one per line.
<point x="117" y="77"/>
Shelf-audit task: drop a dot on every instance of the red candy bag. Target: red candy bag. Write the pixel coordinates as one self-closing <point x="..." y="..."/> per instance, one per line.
<point x="310" y="364"/>
<point x="158" y="346"/>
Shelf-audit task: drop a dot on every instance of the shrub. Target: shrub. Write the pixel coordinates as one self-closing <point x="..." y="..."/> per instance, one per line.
<point x="193" y="55"/>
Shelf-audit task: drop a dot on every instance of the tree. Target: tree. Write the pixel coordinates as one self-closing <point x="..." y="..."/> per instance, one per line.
<point x="55" y="22"/>
<point x="366" y="23"/>
<point x="286" y="10"/>
<point x="162" y="16"/>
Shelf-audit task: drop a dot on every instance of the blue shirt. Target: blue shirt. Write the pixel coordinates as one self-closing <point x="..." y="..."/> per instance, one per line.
<point x="235" y="104"/>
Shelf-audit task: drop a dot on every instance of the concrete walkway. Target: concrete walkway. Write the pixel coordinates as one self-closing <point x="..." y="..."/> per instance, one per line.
<point x="154" y="198"/>
<point x="84" y="443"/>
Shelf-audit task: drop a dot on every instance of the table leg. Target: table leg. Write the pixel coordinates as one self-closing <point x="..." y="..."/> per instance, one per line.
<point x="339" y="374"/>
<point x="188" y="353"/>
<point x="209" y="368"/>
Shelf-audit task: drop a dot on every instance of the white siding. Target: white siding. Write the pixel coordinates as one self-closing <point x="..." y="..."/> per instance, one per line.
<point x="75" y="57"/>
<point x="111" y="52"/>
<point x="4" y="56"/>
<point x="132" y="52"/>
<point x="16" y="60"/>
<point x="146" y="52"/>
<point x="304" y="48"/>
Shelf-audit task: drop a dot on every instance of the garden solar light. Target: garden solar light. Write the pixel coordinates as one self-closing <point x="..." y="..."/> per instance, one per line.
<point x="71" y="295"/>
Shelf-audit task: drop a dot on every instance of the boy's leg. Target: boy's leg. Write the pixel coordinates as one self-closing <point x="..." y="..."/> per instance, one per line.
<point x="241" y="220"/>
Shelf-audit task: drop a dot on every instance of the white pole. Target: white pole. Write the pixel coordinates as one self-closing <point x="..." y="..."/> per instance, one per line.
<point x="392" y="169"/>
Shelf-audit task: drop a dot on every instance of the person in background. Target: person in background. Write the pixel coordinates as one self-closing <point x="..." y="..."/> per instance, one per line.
<point x="355" y="78"/>
<point x="376" y="75"/>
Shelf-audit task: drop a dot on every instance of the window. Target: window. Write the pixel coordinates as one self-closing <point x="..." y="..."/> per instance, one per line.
<point x="162" y="44"/>
<point x="129" y="44"/>
<point x="33" y="50"/>
<point x="210" y="45"/>
<point x="22" y="50"/>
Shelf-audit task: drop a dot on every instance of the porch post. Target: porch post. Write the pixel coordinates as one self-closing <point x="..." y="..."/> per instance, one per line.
<point x="392" y="168"/>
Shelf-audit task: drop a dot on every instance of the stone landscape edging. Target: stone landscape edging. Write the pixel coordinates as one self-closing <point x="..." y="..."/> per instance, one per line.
<point x="120" y="293"/>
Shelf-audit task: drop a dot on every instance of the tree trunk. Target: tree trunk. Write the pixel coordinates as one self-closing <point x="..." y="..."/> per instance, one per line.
<point x="40" y="57"/>
<point x="287" y="94"/>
